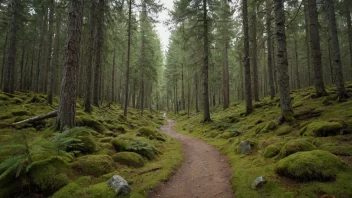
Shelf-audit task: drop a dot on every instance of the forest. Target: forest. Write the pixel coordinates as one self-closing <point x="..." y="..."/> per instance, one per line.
<point x="175" y="98"/>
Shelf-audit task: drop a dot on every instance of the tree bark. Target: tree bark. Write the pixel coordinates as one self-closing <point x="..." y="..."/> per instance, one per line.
<point x="339" y="81"/>
<point x="206" y="110"/>
<point x="99" y="48"/>
<point x="349" y="28"/>
<point x="128" y="57"/>
<point x="247" y="68"/>
<point x="11" y="50"/>
<point x="3" y="60"/>
<point x="225" y="74"/>
<point x="67" y="102"/>
<point x="270" y="47"/>
<point x="91" y="50"/>
<point x="22" y="64"/>
<point x="297" y="70"/>
<point x="49" y="64"/>
<point x="255" y="55"/>
<point x="41" y="43"/>
<point x="306" y="21"/>
<point x="315" y="49"/>
<point x="113" y="98"/>
<point x="282" y="63"/>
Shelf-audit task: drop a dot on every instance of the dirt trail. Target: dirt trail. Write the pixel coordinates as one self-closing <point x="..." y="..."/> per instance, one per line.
<point x="203" y="173"/>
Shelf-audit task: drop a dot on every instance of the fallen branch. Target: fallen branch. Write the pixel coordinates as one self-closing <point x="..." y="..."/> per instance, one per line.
<point x="150" y="170"/>
<point x="37" y="118"/>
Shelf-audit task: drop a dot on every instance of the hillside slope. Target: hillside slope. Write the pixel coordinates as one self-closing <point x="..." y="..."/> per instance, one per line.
<point x="309" y="157"/>
<point x="37" y="162"/>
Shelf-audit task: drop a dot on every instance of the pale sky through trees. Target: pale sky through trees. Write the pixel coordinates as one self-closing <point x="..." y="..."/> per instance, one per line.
<point x="161" y="27"/>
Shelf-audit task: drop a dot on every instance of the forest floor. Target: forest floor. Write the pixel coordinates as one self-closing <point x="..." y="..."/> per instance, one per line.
<point x="204" y="172"/>
<point x="311" y="156"/>
<point x="37" y="161"/>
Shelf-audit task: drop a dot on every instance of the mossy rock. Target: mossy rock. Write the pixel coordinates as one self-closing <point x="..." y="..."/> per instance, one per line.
<point x="321" y="129"/>
<point x="283" y="130"/>
<point x="129" y="159"/>
<point x="4" y="97"/>
<point x="50" y="175"/>
<point x="135" y="145"/>
<point x="310" y="165"/>
<point x="337" y="149"/>
<point x="100" y="190"/>
<point x="294" y="146"/>
<point x="105" y="139"/>
<point x="89" y="122"/>
<point x="228" y="134"/>
<point x="117" y="128"/>
<point x="94" y="165"/>
<point x="87" y="142"/>
<point x="212" y="134"/>
<point x="269" y="127"/>
<point x="150" y="133"/>
<point x="107" y="146"/>
<point x="272" y="150"/>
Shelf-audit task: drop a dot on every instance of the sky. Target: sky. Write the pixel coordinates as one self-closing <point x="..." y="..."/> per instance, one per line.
<point x="161" y="28"/>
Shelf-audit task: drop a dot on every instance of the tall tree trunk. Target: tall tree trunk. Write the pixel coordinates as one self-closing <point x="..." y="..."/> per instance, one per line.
<point x="113" y="76"/>
<point x="128" y="56"/>
<point x="306" y="21"/>
<point x="315" y="49"/>
<point x="99" y="48"/>
<point x="282" y="63"/>
<point x="206" y="110"/>
<point x="3" y="60"/>
<point x="196" y="93"/>
<point x="340" y="84"/>
<point x="49" y="64"/>
<point x="11" y="50"/>
<point x="22" y="64"/>
<point x="349" y="28"/>
<point x="55" y="61"/>
<point x="183" y="88"/>
<point x="247" y="68"/>
<point x="225" y="72"/>
<point x="39" y="56"/>
<point x="44" y="68"/>
<point x="255" y="55"/>
<point x="297" y="70"/>
<point x="270" y="49"/>
<point x="91" y="50"/>
<point x="67" y="102"/>
<point x="330" y="63"/>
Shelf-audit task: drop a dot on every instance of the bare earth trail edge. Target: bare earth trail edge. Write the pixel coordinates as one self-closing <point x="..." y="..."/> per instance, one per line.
<point x="204" y="171"/>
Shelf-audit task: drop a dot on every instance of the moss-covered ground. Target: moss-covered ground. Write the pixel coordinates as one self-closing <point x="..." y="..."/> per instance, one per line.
<point x="36" y="161"/>
<point x="285" y="154"/>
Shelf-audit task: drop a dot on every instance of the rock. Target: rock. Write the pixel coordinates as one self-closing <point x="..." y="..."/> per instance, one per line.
<point x="258" y="182"/>
<point x="310" y="165"/>
<point x="284" y="130"/>
<point x="119" y="185"/>
<point x="294" y="146"/>
<point x="272" y="150"/>
<point x="245" y="147"/>
<point x="321" y="129"/>
<point x="129" y="159"/>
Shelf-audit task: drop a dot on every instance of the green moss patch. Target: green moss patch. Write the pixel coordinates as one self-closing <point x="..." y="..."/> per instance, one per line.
<point x="129" y="159"/>
<point x="294" y="146"/>
<point x="87" y="142"/>
<point x="95" y="165"/>
<point x="150" y="133"/>
<point x="310" y="165"/>
<point x="272" y="150"/>
<point x="283" y="130"/>
<point x="89" y="122"/>
<point x="135" y="145"/>
<point x="321" y="129"/>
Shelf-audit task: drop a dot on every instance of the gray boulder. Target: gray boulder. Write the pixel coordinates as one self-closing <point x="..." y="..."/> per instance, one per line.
<point x="245" y="147"/>
<point x="119" y="185"/>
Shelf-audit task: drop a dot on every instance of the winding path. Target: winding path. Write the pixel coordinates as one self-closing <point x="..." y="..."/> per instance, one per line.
<point x="203" y="173"/>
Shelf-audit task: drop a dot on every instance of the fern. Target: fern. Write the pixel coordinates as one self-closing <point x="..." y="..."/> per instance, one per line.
<point x="65" y="140"/>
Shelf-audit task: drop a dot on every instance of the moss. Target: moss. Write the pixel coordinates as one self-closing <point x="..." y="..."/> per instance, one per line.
<point x="105" y="139"/>
<point x="135" y="145"/>
<point x="94" y="165"/>
<point x="337" y="149"/>
<point x="50" y="175"/>
<point x="212" y="134"/>
<point x="228" y="134"/>
<point x="321" y="129"/>
<point x="269" y="127"/>
<point x="310" y="165"/>
<point x="87" y="144"/>
<point x="116" y="128"/>
<point x="107" y="146"/>
<point x="100" y="190"/>
<point x="20" y="113"/>
<point x="294" y="146"/>
<point x="89" y="122"/>
<point x="109" y="133"/>
<point x="283" y="130"/>
<point x="73" y="189"/>
<point x="150" y="133"/>
<point x="272" y="150"/>
<point x="129" y="159"/>
<point x="6" y="116"/>
<point x="4" y="97"/>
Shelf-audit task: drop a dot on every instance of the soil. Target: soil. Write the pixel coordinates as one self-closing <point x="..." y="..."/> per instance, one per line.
<point x="203" y="173"/>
